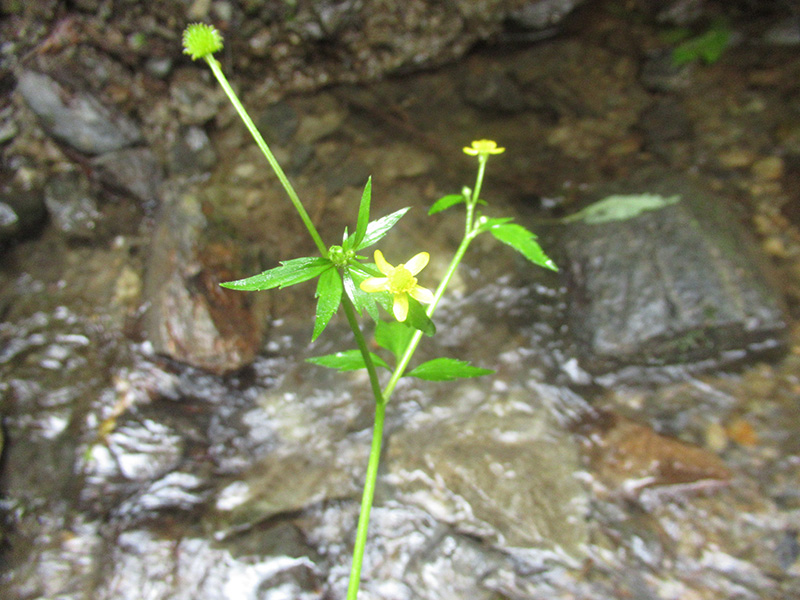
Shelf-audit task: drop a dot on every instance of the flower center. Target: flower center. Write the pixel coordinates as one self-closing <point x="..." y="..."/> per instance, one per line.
<point x="401" y="281"/>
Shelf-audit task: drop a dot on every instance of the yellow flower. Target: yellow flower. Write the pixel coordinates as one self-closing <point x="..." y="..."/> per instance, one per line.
<point x="400" y="282"/>
<point x="483" y="147"/>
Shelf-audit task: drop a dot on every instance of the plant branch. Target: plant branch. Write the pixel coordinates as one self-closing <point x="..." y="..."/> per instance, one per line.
<point x="273" y="162"/>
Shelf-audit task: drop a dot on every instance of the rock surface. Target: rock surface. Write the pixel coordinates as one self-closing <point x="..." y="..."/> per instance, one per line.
<point x="189" y="317"/>
<point x="78" y="120"/>
<point x="510" y="445"/>
<point x="680" y="284"/>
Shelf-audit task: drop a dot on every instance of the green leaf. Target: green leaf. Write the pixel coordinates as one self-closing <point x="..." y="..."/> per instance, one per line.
<point x="485" y="223"/>
<point x="620" y="208"/>
<point x="393" y="336"/>
<point x="447" y="369"/>
<point x="329" y="294"/>
<point x="363" y="213"/>
<point x="362" y="301"/>
<point x="418" y="318"/>
<point x="289" y="273"/>
<point x="379" y="228"/>
<point x="524" y="242"/>
<point x="708" y="46"/>
<point x="349" y="360"/>
<point x="446" y="202"/>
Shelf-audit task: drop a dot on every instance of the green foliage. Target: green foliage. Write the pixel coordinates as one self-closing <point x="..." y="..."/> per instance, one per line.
<point x="620" y="208"/>
<point x="707" y="47"/>
<point x="348" y="360"/>
<point x="446" y="202"/>
<point x="291" y="272"/>
<point x="447" y="369"/>
<point x="377" y="229"/>
<point x="329" y="296"/>
<point x="393" y="336"/>
<point x="363" y="214"/>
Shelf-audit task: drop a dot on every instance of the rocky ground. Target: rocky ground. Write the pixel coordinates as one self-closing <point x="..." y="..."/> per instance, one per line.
<point x="166" y="440"/>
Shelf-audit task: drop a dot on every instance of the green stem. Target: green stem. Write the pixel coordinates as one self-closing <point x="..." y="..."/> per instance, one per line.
<point x="223" y="81"/>
<point x="352" y="320"/>
<point x="374" y="454"/>
<point x="366" y="501"/>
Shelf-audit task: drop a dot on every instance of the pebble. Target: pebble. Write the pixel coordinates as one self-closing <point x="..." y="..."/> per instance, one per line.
<point x="769" y="168"/>
<point x="736" y="158"/>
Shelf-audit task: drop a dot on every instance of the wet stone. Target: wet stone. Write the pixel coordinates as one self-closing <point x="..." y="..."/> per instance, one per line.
<point x="683" y="284"/>
<point x="72" y="206"/>
<point x="191" y="152"/>
<point x="190" y="318"/>
<point x="627" y="457"/>
<point x="512" y="483"/>
<point x="78" y="120"/>
<point x="146" y="564"/>
<point x="22" y="212"/>
<point x="133" y="171"/>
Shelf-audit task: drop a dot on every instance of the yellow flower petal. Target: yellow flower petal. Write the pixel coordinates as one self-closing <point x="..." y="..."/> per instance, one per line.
<point x="400" y="307"/>
<point x="374" y="284"/>
<point x="422" y="294"/>
<point x="380" y="262"/>
<point x="483" y="147"/>
<point x="418" y="262"/>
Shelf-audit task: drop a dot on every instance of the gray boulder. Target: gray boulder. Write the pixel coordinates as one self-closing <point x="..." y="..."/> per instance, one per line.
<point x="681" y="284"/>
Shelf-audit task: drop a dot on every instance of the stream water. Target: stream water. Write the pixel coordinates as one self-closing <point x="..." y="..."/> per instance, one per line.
<point x="135" y="466"/>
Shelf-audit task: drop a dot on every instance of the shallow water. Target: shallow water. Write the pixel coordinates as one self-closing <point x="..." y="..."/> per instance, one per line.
<point x="128" y="474"/>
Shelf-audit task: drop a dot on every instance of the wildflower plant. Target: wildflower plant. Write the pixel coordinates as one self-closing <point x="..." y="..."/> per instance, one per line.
<point x="346" y="280"/>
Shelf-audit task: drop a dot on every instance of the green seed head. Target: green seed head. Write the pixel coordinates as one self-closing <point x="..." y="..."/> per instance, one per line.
<point x="201" y="40"/>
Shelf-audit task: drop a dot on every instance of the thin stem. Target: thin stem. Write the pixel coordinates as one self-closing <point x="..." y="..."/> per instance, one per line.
<point x="223" y="81"/>
<point x="366" y="501"/>
<point x="352" y="320"/>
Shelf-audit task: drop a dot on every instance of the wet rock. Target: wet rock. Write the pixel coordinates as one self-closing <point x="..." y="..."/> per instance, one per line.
<point x="76" y="119"/>
<point x="278" y="122"/>
<point x="500" y="469"/>
<point x="194" y="567"/>
<point x="190" y="318"/>
<point x="660" y="74"/>
<point x="663" y="122"/>
<point x="542" y="14"/>
<point x="627" y="457"/>
<point x="72" y="206"/>
<point x="22" y="212"/>
<point x="678" y="285"/>
<point x="134" y="171"/>
<point x="494" y="91"/>
<point x="196" y="96"/>
<point x="365" y="41"/>
<point x="191" y="152"/>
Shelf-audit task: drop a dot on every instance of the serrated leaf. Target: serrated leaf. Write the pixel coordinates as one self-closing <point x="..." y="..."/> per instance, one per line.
<point x="363" y="213"/>
<point x="380" y="227"/>
<point x="417" y="317"/>
<point x="393" y="336"/>
<point x="291" y="272"/>
<point x="362" y="301"/>
<point x="348" y="360"/>
<point x="524" y="242"/>
<point x="485" y="223"/>
<point x="329" y="296"/>
<point x="446" y="202"/>
<point x="620" y="208"/>
<point x="447" y="369"/>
